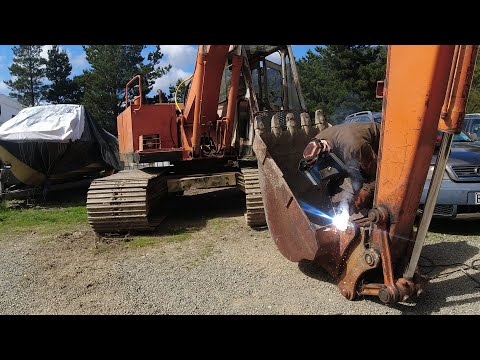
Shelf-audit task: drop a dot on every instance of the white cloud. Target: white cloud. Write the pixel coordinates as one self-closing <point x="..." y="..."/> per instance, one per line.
<point x="170" y="78"/>
<point x="79" y="62"/>
<point x="179" y="56"/>
<point x="4" y="88"/>
<point x="275" y="57"/>
<point x="45" y="49"/>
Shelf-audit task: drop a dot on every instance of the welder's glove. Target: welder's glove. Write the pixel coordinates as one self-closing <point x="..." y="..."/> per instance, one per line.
<point x="362" y="199"/>
<point x="363" y="221"/>
<point x="313" y="148"/>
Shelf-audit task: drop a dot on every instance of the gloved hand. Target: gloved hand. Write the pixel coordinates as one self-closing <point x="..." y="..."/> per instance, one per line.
<point x="362" y="199"/>
<point x="363" y="221"/>
<point x="313" y="148"/>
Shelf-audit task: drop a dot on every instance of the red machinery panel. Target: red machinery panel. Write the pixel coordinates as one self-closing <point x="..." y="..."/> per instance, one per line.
<point x="140" y="122"/>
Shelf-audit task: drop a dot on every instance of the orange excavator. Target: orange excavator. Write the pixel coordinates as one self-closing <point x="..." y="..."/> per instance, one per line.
<point x="209" y="143"/>
<point x="204" y="143"/>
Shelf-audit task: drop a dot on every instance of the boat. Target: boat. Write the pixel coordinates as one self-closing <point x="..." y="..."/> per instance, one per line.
<point x="49" y="145"/>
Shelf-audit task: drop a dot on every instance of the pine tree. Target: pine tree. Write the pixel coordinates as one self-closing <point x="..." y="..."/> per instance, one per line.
<point x="27" y="73"/>
<point x="112" y="66"/>
<point x="62" y="90"/>
<point x="473" y="104"/>
<point x="341" y="79"/>
<point x="182" y="91"/>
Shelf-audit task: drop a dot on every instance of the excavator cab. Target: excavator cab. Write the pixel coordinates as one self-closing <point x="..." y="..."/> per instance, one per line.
<point x="272" y="78"/>
<point x="269" y="85"/>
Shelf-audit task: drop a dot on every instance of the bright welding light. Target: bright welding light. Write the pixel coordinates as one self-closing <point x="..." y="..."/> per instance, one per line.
<point x="314" y="211"/>
<point x="340" y="221"/>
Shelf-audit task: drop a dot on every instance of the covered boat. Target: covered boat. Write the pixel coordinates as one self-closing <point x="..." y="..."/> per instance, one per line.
<point x="52" y="144"/>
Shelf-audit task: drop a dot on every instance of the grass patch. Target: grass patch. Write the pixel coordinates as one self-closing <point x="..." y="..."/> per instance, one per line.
<point x="171" y="236"/>
<point x="218" y="223"/>
<point x="43" y="220"/>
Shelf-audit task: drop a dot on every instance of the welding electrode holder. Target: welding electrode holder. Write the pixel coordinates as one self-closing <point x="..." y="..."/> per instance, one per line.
<point x="327" y="167"/>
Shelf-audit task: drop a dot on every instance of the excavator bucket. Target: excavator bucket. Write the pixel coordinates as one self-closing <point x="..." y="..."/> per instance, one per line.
<point x="299" y="215"/>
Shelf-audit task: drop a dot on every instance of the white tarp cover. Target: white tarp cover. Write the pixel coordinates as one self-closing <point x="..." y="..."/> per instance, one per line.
<point x="45" y="123"/>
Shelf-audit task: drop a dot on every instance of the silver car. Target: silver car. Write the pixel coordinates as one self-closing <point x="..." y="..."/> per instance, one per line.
<point x="471" y="125"/>
<point x="459" y="195"/>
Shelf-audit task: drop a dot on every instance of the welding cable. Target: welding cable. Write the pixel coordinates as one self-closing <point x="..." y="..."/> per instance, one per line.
<point x="176" y="92"/>
<point x="176" y="103"/>
<point x="461" y="267"/>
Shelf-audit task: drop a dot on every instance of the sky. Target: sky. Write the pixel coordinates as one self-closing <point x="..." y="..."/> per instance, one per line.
<point x="181" y="57"/>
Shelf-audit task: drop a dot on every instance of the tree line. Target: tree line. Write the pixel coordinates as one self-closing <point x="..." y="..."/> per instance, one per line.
<point x="341" y="80"/>
<point x="101" y="88"/>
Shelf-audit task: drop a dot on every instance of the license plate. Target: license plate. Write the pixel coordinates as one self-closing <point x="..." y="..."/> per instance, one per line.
<point x="477" y="198"/>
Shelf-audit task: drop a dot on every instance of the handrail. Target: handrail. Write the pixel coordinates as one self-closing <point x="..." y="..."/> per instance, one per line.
<point x="139" y="77"/>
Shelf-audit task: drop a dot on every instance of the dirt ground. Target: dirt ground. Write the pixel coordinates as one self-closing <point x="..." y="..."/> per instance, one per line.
<point x="204" y="260"/>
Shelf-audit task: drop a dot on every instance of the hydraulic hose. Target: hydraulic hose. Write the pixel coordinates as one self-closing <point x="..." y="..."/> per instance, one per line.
<point x="176" y="91"/>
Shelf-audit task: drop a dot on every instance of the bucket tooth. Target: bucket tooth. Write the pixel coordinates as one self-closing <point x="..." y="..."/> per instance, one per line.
<point x="276" y="127"/>
<point x="305" y="122"/>
<point x="290" y="122"/>
<point x="320" y="122"/>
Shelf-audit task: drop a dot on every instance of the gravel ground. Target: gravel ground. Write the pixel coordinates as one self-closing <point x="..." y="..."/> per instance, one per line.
<point x="221" y="267"/>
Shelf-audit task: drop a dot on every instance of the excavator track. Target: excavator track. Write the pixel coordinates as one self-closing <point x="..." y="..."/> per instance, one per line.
<point x="255" y="213"/>
<point x="123" y="201"/>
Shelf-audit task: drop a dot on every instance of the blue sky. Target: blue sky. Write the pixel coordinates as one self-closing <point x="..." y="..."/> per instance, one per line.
<point x="181" y="57"/>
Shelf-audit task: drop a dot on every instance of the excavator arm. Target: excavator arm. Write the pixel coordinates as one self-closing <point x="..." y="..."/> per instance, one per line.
<point x="199" y="120"/>
<point x="202" y="101"/>
<point x="425" y="90"/>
